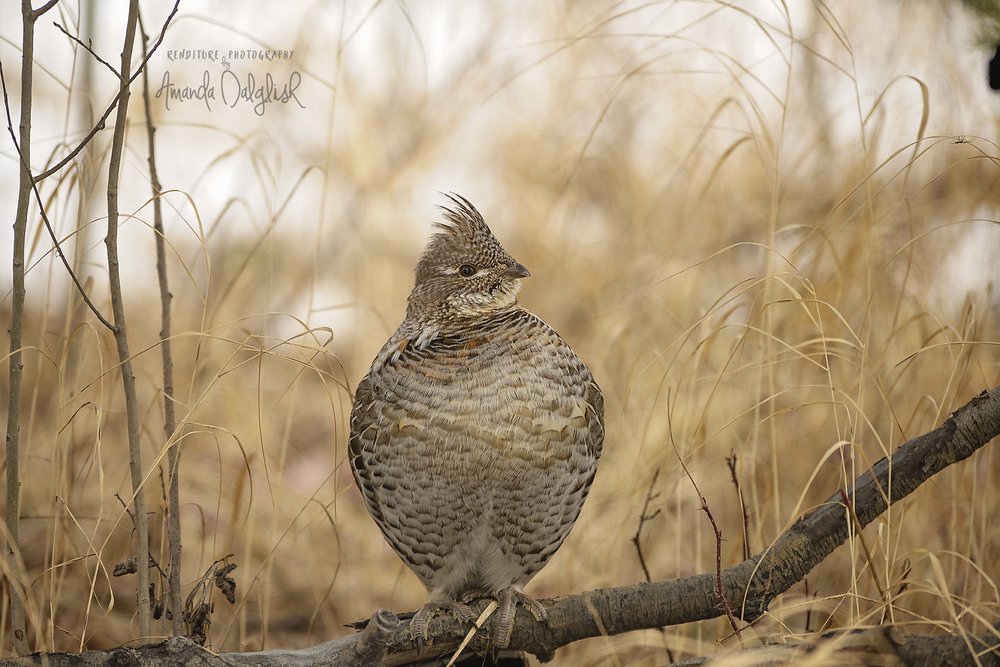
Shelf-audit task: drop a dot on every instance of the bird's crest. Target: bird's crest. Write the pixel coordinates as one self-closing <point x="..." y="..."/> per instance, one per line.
<point x="462" y="219"/>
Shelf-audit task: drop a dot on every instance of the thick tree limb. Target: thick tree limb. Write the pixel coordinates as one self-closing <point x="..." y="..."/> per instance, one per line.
<point x="874" y="646"/>
<point x="749" y="586"/>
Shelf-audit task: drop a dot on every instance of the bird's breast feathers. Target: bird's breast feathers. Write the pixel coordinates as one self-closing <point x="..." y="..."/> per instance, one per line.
<point x="496" y="385"/>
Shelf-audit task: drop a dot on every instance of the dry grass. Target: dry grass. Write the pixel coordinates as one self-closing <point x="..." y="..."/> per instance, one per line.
<point x="781" y="251"/>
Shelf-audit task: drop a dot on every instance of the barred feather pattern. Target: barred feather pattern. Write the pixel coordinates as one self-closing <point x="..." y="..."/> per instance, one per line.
<point x="476" y="450"/>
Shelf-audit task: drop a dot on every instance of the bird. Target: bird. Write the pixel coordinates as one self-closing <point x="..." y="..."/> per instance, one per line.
<point x="476" y="434"/>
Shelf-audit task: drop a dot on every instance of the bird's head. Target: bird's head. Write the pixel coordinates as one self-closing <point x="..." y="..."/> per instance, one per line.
<point x="464" y="273"/>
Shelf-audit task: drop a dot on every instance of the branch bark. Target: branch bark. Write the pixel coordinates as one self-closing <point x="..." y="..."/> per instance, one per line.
<point x="16" y="331"/>
<point x="121" y="337"/>
<point x="875" y="646"/>
<point x="749" y="586"/>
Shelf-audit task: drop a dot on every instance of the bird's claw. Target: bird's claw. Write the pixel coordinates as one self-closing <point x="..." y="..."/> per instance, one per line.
<point x="508" y="599"/>
<point x="421" y="619"/>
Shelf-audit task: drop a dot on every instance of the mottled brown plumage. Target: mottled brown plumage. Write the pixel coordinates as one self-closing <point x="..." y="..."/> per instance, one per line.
<point x="476" y="433"/>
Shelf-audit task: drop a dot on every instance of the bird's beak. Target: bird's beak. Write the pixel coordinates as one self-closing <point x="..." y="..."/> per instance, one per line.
<point x="516" y="271"/>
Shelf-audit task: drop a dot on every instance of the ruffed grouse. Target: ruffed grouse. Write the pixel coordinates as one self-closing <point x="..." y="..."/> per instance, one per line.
<point x="476" y="433"/>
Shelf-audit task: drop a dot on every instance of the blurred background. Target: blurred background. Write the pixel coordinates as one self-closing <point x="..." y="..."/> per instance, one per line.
<point x="770" y="229"/>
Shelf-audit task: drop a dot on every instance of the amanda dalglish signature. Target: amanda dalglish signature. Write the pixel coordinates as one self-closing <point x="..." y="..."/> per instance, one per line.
<point x="232" y="90"/>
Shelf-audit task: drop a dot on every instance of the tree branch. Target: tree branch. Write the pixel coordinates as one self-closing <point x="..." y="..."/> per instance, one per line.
<point x="36" y="14"/>
<point x="16" y="369"/>
<point x="121" y="337"/>
<point x="88" y="49"/>
<point x="881" y="645"/>
<point x="169" y="421"/>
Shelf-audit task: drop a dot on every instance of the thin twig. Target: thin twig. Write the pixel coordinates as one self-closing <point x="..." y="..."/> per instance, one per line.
<point x="169" y="420"/>
<point x="41" y="211"/>
<point x="644" y="517"/>
<point x="152" y="561"/>
<point x="121" y="501"/>
<point x="121" y="336"/>
<point x="101" y="123"/>
<point x="719" y="589"/>
<point x="88" y="50"/>
<point x="37" y="13"/>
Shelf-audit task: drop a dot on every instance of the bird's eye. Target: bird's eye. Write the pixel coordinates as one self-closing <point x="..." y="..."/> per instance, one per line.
<point x="466" y="270"/>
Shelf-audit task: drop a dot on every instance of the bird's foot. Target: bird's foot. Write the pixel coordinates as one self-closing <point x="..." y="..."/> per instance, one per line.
<point x="508" y="599"/>
<point x="422" y="617"/>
